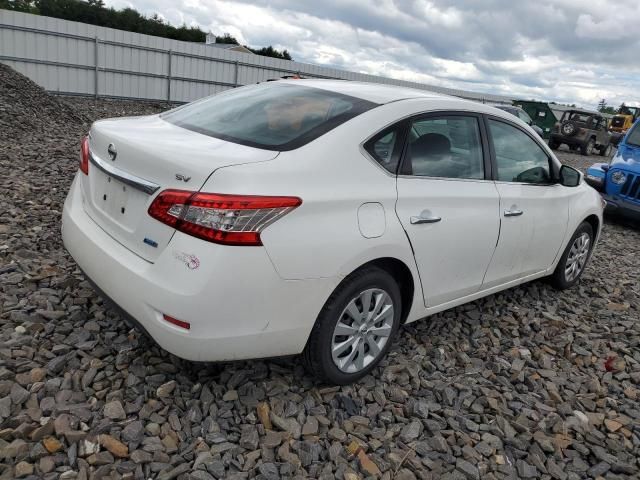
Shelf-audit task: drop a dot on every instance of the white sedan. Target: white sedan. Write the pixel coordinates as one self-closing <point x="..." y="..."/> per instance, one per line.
<point x="317" y="217"/>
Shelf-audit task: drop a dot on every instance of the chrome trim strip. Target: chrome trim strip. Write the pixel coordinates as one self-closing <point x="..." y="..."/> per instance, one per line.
<point x="136" y="182"/>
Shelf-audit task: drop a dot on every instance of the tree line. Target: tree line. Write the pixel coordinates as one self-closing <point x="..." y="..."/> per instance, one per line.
<point x="622" y="109"/>
<point x="94" y="12"/>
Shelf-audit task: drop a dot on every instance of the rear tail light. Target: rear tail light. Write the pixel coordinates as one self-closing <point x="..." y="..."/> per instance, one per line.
<point x="177" y="323"/>
<point x="84" y="155"/>
<point x="219" y="218"/>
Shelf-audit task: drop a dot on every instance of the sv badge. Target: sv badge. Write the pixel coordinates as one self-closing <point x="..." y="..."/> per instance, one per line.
<point x="184" y="178"/>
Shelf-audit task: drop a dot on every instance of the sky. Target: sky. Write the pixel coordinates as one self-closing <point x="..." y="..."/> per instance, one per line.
<point x="568" y="51"/>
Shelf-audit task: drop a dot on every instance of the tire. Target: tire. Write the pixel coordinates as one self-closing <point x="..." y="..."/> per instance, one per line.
<point x="561" y="279"/>
<point x="568" y="129"/>
<point x="554" y="144"/>
<point x="606" y="150"/>
<point x="318" y="356"/>
<point x="587" y="148"/>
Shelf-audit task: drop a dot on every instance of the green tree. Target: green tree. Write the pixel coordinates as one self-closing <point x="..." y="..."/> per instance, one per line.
<point x="604" y="108"/>
<point x="28" y="6"/>
<point x="602" y="104"/>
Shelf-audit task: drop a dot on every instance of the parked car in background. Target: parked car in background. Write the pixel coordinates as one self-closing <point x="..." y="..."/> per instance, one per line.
<point x="317" y="217"/>
<point x="522" y="115"/>
<point x="619" y="180"/>
<point x="584" y="130"/>
<point x="622" y="122"/>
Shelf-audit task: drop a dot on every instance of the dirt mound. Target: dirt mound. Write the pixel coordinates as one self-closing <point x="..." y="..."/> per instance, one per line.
<point x="26" y="109"/>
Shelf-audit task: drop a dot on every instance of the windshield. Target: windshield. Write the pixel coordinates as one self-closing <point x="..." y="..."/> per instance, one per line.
<point x="272" y="116"/>
<point x="634" y="136"/>
<point x="617" y="121"/>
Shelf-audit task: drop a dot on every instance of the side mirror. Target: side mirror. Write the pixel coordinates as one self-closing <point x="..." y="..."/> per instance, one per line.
<point x="569" y="176"/>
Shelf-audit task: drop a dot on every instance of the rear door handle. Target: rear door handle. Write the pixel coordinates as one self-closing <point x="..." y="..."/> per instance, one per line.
<point x="420" y="219"/>
<point x="513" y="213"/>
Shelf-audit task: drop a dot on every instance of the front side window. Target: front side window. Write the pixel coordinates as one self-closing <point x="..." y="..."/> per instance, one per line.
<point x="525" y="117"/>
<point x="519" y="158"/>
<point x="444" y="147"/>
<point x="272" y="116"/>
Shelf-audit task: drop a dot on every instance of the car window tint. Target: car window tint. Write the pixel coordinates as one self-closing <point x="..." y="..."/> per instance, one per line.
<point x="384" y="148"/>
<point x="274" y="116"/>
<point x="446" y="147"/>
<point x="519" y="158"/>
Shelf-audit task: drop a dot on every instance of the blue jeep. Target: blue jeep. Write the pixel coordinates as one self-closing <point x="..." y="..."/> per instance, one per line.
<point x="619" y="180"/>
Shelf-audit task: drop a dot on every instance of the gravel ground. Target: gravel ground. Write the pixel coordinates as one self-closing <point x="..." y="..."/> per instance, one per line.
<point x="528" y="383"/>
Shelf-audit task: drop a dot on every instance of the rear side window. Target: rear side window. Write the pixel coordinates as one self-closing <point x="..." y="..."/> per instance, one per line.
<point x="444" y="147"/>
<point x="272" y="116"/>
<point x="385" y="148"/>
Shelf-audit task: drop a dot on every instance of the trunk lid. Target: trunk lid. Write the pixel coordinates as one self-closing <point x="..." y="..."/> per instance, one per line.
<point x="135" y="158"/>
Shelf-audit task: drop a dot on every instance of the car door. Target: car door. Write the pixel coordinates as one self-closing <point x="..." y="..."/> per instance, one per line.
<point x="447" y="203"/>
<point x="534" y="209"/>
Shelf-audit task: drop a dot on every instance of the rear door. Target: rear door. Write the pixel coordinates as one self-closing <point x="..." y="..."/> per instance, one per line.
<point x="534" y="209"/>
<point x="447" y="204"/>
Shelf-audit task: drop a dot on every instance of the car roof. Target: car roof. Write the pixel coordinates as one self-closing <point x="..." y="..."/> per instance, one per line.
<point x="372" y="92"/>
<point x="379" y="93"/>
<point x="586" y="112"/>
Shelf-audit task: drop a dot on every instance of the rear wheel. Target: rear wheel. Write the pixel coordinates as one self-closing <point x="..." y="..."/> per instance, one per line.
<point x="587" y="147"/>
<point x="574" y="258"/>
<point x="553" y="144"/>
<point x="355" y="327"/>
<point x="605" y="151"/>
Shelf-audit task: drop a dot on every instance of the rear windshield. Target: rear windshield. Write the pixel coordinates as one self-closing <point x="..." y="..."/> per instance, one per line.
<point x="617" y="121"/>
<point x="272" y="116"/>
<point x="580" y="117"/>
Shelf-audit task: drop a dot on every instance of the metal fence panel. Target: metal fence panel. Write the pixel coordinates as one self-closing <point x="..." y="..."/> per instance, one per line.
<point x="77" y="58"/>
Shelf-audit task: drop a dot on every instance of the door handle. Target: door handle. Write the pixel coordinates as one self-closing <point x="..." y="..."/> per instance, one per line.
<point x="513" y="213"/>
<point x="421" y="219"/>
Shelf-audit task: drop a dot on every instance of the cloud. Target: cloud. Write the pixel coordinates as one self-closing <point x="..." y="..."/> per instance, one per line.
<point x="564" y="50"/>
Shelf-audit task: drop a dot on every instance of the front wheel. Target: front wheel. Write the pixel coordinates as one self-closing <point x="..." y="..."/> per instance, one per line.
<point x="587" y="148"/>
<point x="574" y="258"/>
<point x="606" y="151"/>
<point x="355" y="327"/>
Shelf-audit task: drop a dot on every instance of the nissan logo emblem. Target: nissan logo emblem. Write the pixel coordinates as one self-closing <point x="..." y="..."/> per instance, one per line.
<point x="113" y="153"/>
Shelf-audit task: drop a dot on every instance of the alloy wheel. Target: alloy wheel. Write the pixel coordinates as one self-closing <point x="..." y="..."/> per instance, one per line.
<point x="577" y="257"/>
<point x="362" y="331"/>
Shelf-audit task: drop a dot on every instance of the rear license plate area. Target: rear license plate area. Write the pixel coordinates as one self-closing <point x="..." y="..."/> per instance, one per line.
<point x="117" y="200"/>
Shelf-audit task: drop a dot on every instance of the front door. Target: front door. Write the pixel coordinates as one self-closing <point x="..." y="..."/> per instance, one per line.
<point x="446" y="204"/>
<point x="534" y="210"/>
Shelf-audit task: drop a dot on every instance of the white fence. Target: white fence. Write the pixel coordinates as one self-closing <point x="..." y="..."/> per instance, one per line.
<point x="79" y="59"/>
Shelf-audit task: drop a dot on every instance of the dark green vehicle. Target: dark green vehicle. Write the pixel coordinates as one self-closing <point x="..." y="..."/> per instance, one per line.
<point x="582" y="130"/>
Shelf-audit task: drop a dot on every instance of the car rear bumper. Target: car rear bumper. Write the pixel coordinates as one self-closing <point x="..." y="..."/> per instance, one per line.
<point x="237" y="306"/>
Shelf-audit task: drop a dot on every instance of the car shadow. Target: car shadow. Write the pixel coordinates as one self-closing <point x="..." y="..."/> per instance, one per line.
<point x="621" y="221"/>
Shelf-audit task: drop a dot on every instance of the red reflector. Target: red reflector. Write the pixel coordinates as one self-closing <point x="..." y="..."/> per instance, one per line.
<point x="176" y="322"/>
<point x="221" y="218"/>
<point x="84" y="155"/>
